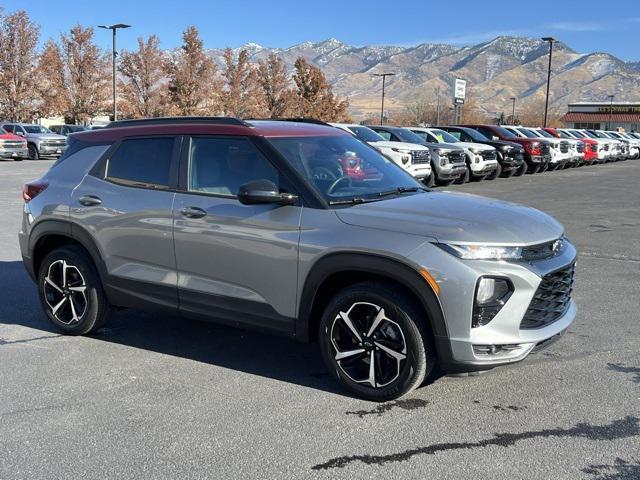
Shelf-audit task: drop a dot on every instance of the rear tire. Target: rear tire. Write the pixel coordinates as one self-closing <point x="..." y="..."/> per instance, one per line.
<point x="387" y="330"/>
<point x="71" y="292"/>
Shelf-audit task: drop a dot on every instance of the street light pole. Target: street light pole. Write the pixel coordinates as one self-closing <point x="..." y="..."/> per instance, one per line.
<point x="513" y="111"/>
<point x="113" y="29"/>
<point x="551" y="40"/>
<point x="384" y="78"/>
<point x="610" y="110"/>
<point x="438" y="106"/>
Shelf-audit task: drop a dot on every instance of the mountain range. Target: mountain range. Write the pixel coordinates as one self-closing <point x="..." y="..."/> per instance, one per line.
<point x="495" y="71"/>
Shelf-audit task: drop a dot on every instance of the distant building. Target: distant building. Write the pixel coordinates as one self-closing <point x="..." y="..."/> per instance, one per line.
<point x="598" y="115"/>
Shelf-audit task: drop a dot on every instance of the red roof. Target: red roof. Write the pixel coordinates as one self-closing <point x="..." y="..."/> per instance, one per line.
<point x="593" y="117"/>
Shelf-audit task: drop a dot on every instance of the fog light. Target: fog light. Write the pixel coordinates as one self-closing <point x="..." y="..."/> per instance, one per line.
<point x="491" y="295"/>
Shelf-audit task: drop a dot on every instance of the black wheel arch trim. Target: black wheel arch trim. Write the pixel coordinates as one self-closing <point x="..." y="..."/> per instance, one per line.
<point x="380" y="265"/>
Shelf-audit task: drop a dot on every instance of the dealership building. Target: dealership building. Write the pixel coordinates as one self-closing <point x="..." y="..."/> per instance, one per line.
<point x="603" y="116"/>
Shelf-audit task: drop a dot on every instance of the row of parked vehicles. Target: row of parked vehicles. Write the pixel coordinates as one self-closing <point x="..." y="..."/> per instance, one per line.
<point x="459" y="153"/>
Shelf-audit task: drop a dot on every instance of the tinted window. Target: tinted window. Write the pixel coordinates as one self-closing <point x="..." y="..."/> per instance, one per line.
<point x="9" y="128"/>
<point x="383" y="134"/>
<point x="36" y="129"/>
<point x="142" y="162"/>
<point x="365" y="134"/>
<point x="222" y="165"/>
<point x="406" y="135"/>
<point x="457" y="135"/>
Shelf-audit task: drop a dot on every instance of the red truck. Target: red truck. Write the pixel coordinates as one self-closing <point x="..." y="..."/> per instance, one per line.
<point x="590" y="145"/>
<point x="12" y="147"/>
<point x="537" y="153"/>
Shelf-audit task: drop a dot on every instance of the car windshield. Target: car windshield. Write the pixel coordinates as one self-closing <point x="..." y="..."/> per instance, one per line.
<point x="343" y="169"/>
<point x="528" y="133"/>
<point x="444" y="136"/>
<point x="504" y="132"/>
<point x="76" y="128"/>
<point x="564" y="134"/>
<point x="543" y="133"/>
<point x="407" y="135"/>
<point x="366" y="134"/>
<point x="588" y="134"/>
<point x="36" y="129"/>
<point x="477" y="136"/>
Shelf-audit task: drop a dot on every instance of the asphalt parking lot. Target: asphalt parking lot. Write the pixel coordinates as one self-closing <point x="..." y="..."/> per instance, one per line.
<point x="160" y="397"/>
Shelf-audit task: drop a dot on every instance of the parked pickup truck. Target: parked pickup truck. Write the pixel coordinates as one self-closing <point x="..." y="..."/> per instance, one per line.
<point x="12" y="147"/>
<point x="447" y="161"/>
<point x="576" y="147"/>
<point x="537" y="153"/>
<point x="559" y="149"/>
<point x="415" y="159"/>
<point x="510" y="155"/>
<point x="481" y="159"/>
<point x="41" y="141"/>
<point x="589" y="149"/>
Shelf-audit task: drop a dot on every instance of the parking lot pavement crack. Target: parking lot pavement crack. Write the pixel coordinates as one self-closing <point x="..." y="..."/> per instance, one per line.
<point x="406" y="404"/>
<point x="618" y="429"/>
<point x="618" y="367"/>
<point x="27" y="340"/>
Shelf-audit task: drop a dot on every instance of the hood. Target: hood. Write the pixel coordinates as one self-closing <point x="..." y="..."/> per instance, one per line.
<point x="456" y="218"/>
<point x="443" y="146"/>
<point x="403" y="145"/>
<point x="478" y="146"/>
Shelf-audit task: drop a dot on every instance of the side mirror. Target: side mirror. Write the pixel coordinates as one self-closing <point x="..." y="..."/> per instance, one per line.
<point x="264" y="191"/>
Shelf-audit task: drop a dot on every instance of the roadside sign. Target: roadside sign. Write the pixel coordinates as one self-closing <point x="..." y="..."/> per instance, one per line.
<point x="459" y="88"/>
<point x="458" y="101"/>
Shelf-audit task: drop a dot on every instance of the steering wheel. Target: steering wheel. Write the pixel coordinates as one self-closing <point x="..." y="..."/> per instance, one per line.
<point x="322" y="173"/>
<point x="337" y="182"/>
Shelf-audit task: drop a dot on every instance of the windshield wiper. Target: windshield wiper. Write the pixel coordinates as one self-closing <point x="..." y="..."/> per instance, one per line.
<point x="401" y="190"/>
<point x="348" y="201"/>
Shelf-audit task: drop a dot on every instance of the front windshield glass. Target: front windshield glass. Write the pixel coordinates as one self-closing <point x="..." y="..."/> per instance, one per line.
<point x="343" y="169"/>
<point x="477" y="136"/>
<point x="564" y="134"/>
<point x="366" y="134"/>
<point x="543" y="133"/>
<point x="444" y="136"/>
<point x="408" y="136"/>
<point x="528" y="133"/>
<point x="36" y="129"/>
<point x="76" y="128"/>
<point x="505" y="133"/>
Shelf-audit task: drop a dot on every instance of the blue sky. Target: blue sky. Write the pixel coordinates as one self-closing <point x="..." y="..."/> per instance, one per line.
<point x="586" y="26"/>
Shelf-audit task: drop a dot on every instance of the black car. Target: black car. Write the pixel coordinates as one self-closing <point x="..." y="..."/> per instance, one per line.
<point x="510" y="155"/>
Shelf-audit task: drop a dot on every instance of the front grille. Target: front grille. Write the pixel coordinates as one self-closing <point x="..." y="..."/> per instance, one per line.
<point x="488" y="154"/>
<point x="580" y="147"/>
<point x="517" y="155"/>
<point x="551" y="300"/>
<point x="54" y="143"/>
<point x="12" y="144"/>
<point x="564" y="147"/>
<point x="544" y="148"/>
<point x="456" y="156"/>
<point x="606" y="147"/>
<point x="420" y="156"/>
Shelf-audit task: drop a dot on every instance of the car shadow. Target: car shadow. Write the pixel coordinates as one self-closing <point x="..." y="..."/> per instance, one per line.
<point x="256" y="353"/>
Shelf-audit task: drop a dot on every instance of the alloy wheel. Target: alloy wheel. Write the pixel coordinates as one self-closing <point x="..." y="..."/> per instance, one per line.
<point x="65" y="292"/>
<point x="369" y="347"/>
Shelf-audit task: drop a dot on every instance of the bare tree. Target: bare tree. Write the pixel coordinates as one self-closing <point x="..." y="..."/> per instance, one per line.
<point x="242" y="95"/>
<point x="74" y="78"/>
<point x="18" y="61"/>
<point x="422" y="111"/>
<point x="315" y="96"/>
<point x="275" y="84"/>
<point x="142" y="83"/>
<point x="193" y="87"/>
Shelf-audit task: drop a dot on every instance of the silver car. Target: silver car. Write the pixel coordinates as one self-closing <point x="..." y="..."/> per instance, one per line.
<point x="41" y="141"/>
<point x="299" y="229"/>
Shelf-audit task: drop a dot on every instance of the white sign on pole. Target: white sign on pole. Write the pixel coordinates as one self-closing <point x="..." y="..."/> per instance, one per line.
<point x="460" y="88"/>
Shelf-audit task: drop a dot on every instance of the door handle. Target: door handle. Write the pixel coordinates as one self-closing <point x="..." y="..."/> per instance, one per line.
<point x="193" y="212"/>
<point x="90" y="200"/>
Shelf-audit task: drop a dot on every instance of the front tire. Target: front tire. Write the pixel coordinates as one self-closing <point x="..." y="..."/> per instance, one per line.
<point x="521" y="170"/>
<point x="373" y="342"/>
<point x="33" y="153"/>
<point x="71" y="292"/>
<point x="464" y="178"/>
<point x="495" y="174"/>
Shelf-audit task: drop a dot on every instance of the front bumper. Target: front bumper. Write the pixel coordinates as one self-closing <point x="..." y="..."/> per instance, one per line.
<point x="452" y="171"/>
<point x="464" y="348"/>
<point x="53" y="151"/>
<point x="14" y="153"/>
<point x="482" y="166"/>
<point x="419" y="170"/>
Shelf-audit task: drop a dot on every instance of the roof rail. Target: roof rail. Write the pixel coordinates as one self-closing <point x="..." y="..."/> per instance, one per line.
<point x="179" y="120"/>
<point x="295" y="119"/>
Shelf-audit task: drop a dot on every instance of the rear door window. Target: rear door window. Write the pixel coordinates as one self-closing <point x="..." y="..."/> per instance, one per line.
<point x="143" y="162"/>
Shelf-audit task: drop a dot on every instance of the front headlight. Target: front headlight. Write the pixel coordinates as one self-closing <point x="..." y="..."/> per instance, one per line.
<point x="473" y="150"/>
<point x="482" y="252"/>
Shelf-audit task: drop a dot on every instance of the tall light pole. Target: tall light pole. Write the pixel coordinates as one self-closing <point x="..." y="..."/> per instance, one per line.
<point x="384" y="78"/>
<point x="610" y="110"/>
<point x="113" y="29"/>
<point x="551" y="40"/>
<point x="438" y="106"/>
<point x="513" y="111"/>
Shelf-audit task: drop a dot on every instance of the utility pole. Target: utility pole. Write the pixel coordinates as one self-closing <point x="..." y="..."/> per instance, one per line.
<point x="610" y="110"/>
<point x="551" y="40"/>
<point x="438" y="106"/>
<point x="384" y="78"/>
<point x="113" y="29"/>
<point x="513" y="111"/>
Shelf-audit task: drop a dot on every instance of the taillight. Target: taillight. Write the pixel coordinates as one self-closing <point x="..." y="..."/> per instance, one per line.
<point x="32" y="189"/>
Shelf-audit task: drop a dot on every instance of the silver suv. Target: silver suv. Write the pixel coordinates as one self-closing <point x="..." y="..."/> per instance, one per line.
<point x="300" y="229"/>
<point x="41" y="141"/>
